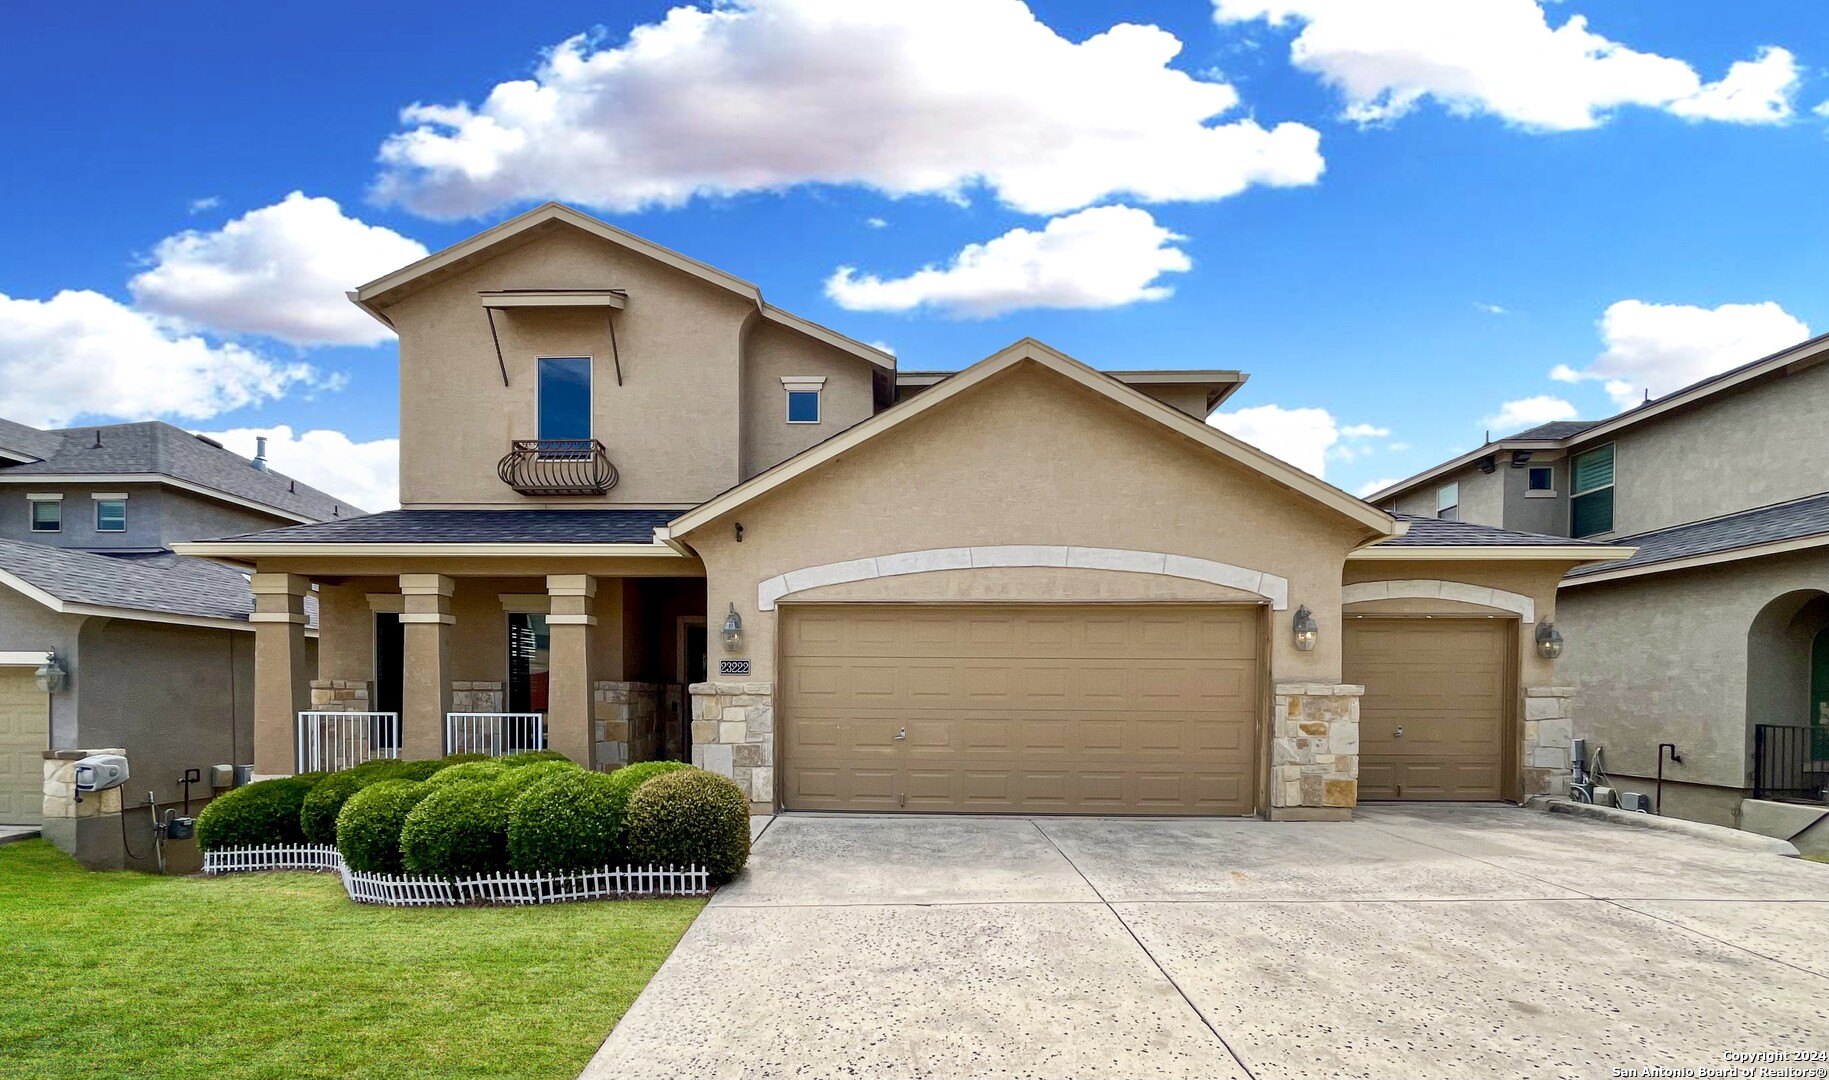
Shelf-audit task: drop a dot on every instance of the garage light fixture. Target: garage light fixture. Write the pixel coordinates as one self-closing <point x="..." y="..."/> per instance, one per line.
<point x="50" y="677"/>
<point x="733" y="630"/>
<point x="1549" y="640"/>
<point x="1306" y="630"/>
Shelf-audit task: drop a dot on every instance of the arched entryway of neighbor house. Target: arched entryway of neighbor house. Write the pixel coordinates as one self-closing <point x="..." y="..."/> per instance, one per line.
<point x="1787" y="697"/>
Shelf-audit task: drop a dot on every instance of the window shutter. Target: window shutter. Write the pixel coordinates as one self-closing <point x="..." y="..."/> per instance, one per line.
<point x="1593" y="469"/>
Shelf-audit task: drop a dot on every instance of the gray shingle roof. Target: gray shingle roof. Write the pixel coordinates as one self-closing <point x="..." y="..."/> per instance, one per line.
<point x="159" y="449"/>
<point x="27" y="441"/>
<point x="166" y="583"/>
<point x="476" y="527"/>
<point x="1555" y="429"/>
<point x="1765" y="525"/>
<point x="1434" y="532"/>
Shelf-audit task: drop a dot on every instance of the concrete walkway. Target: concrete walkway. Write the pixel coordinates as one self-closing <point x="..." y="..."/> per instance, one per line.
<point x="1451" y="941"/>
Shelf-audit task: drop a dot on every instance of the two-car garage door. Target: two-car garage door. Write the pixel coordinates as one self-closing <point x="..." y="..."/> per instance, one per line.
<point x="1039" y="709"/>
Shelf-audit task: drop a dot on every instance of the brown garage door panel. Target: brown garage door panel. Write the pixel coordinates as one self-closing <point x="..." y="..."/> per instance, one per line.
<point x="1432" y="723"/>
<point x="23" y="723"/>
<point x="1145" y="710"/>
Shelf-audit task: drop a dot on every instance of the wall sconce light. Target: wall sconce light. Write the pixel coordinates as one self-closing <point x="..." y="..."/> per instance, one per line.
<point x="733" y="630"/>
<point x="50" y="677"/>
<point x="1306" y="630"/>
<point x="1549" y="640"/>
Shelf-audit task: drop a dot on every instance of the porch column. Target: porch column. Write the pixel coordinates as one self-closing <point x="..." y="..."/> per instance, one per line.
<point x="282" y="679"/>
<point x="425" y="690"/>
<point x="571" y="679"/>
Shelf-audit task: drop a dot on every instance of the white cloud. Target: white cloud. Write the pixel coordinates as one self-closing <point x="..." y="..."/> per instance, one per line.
<point x="903" y="96"/>
<point x="1363" y="431"/>
<point x="82" y="354"/>
<point x="1665" y="347"/>
<point x="1502" y="57"/>
<point x="365" y="473"/>
<point x="1822" y="110"/>
<point x="1491" y="309"/>
<point x="1103" y="257"/>
<point x="1398" y="447"/>
<point x="1515" y="416"/>
<point x="884" y="346"/>
<point x="281" y="270"/>
<point x="1379" y="484"/>
<point x="1301" y="437"/>
<point x="208" y="202"/>
<point x="877" y="222"/>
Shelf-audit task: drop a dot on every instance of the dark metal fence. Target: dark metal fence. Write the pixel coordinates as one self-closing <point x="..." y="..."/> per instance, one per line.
<point x="557" y="467"/>
<point x="1790" y="762"/>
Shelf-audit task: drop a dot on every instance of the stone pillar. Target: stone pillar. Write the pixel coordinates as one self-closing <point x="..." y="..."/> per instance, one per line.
<point x="1314" y="752"/>
<point x="733" y="732"/>
<point x="87" y="831"/>
<point x="570" y="693"/>
<point x="282" y="687"/>
<point x="425" y="695"/>
<point x="1548" y="738"/>
<point x="627" y="723"/>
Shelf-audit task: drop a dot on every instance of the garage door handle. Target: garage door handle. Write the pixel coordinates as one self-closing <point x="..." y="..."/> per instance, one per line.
<point x="902" y="734"/>
<point x="1400" y="731"/>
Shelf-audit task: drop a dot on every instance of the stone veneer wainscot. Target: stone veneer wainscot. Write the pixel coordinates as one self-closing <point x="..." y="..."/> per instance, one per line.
<point x="733" y="732"/>
<point x="1314" y="753"/>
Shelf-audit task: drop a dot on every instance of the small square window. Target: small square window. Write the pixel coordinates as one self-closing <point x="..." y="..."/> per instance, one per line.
<point x="47" y="516"/>
<point x="1542" y="478"/>
<point x="803" y="406"/>
<point x="111" y="515"/>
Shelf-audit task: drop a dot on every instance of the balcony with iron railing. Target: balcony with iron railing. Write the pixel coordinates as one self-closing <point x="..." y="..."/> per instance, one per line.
<point x="557" y="467"/>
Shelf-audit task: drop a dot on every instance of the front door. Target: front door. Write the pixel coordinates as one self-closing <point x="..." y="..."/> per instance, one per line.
<point x="390" y="664"/>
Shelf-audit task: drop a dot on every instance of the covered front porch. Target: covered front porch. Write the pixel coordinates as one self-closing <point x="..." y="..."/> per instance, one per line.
<point x="476" y="656"/>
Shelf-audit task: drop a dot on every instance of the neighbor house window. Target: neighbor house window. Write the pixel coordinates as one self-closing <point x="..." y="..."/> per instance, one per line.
<point x="1542" y="478"/>
<point x="1448" y="502"/>
<point x="803" y="397"/>
<point x="1591" y="488"/>
<point x="111" y="514"/>
<point x="47" y="513"/>
<point x="564" y="399"/>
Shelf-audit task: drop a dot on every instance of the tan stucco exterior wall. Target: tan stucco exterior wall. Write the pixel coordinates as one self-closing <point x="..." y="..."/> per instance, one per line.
<point x="1747" y="447"/>
<point x="997" y="466"/>
<point x="771" y="351"/>
<point x="1664" y="658"/>
<point x="671" y="428"/>
<point x="1536" y="580"/>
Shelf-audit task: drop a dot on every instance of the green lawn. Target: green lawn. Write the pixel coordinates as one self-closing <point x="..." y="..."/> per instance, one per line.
<point x="280" y="975"/>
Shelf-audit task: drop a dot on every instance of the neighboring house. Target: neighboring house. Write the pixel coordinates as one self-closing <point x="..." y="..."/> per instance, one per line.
<point x="1715" y="635"/>
<point x="157" y="647"/>
<point x="648" y="514"/>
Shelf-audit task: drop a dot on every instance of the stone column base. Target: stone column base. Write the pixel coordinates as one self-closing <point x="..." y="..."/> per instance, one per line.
<point x="733" y="733"/>
<point x="482" y="697"/>
<point x="1548" y="739"/>
<point x="627" y="722"/>
<point x="1314" y="752"/>
<point x="341" y="695"/>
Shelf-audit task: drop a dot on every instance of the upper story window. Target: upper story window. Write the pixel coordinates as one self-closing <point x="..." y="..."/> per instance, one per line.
<point x="1448" y="502"/>
<point x="565" y="397"/>
<point x="47" y="513"/>
<point x="110" y="513"/>
<point x="1542" y="480"/>
<point x="803" y="394"/>
<point x="1591" y="491"/>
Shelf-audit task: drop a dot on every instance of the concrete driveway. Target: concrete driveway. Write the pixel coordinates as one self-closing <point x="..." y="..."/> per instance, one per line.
<point x="1454" y="941"/>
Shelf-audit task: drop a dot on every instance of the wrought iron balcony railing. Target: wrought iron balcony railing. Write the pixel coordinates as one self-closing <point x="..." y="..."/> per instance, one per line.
<point x="557" y="467"/>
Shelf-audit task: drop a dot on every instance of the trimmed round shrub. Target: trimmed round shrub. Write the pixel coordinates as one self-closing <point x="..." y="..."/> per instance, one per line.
<point x="486" y="771"/>
<point x="422" y="770"/>
<point x="457" y="831"/>
<point x="515" y="781"/>
<point x="623" y="783"/>
<point x="563" y="823"/>
<point x="368" y="828"/>
<point x="529" y="757"/>
<point x="690" y="818"/>
<point x="264" y="812"/>
<point x="318" y="812"/>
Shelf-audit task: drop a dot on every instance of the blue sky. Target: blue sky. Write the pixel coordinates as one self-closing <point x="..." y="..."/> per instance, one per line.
<point x="1468" y="196"/>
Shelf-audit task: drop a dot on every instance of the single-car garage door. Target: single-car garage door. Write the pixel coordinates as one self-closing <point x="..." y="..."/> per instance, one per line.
<point x="1432" y="722"/>
<point x="23" y="721"/>
<point x="1039" y="709"/>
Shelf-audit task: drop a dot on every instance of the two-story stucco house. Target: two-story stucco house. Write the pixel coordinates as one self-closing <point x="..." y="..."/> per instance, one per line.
<point x="1714" y="637"/>
<point x="646" y="513"/>
<point x="152" y="651"/>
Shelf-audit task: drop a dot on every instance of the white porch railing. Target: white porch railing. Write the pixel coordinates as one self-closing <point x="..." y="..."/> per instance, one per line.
<point x="494" y="734"/>
<point x="328" y="741"/>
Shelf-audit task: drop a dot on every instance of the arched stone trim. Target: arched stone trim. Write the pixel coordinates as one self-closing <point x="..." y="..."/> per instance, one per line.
<point x="1434" y="589"/>
<point x="1270" y="586"/>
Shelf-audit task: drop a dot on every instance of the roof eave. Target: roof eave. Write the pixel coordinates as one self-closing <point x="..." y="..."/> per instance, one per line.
<point x="1582" y="553"/>
<point x="1694" y="562"/>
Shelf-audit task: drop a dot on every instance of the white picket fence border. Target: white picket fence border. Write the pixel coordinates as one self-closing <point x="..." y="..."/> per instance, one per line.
<point x="402" y="890"/>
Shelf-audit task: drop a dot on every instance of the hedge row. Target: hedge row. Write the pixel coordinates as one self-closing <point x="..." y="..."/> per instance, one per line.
<point x="459" y="817"/>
